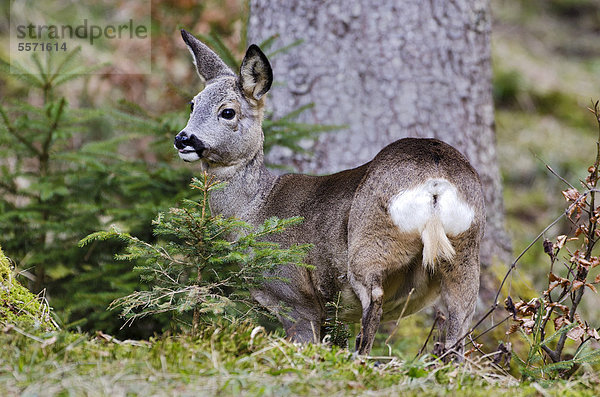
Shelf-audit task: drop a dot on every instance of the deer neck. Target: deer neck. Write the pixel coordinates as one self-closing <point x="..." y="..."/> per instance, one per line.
<point x="246" y="189"/>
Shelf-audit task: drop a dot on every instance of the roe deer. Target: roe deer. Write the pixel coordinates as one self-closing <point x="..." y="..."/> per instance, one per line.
<point x="412" y="217"/>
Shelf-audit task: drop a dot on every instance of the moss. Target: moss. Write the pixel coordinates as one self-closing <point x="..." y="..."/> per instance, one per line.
<point x="18" y="306"/>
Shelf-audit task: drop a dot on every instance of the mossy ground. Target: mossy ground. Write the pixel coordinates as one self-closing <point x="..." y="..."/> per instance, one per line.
<point x="18" y="306"/>
<point x="238" y="359"/>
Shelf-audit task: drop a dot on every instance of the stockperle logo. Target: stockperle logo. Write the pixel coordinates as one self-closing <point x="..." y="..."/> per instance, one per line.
<point x="108" y="37"/>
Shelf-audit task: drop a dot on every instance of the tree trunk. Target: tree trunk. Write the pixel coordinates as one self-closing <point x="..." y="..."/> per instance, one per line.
<point x="388" y="69"/>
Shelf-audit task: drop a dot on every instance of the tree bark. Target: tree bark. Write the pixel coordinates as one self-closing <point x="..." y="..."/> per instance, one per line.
<point x="388" y="69"/>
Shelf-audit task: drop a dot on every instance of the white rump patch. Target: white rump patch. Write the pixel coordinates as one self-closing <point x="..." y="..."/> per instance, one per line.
<point x="434" y="210"/>
<point x="411" y="209"/>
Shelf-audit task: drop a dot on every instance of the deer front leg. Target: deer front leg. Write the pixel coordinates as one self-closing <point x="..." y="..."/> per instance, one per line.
<point x="369" y="289"/>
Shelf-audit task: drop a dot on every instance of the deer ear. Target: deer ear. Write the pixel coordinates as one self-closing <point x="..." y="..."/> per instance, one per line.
<point x="208" y="64"/>
<point x="256" y="75"/>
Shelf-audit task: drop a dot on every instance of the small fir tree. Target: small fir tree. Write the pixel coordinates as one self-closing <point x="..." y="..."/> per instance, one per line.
<point x="203" y="264"/>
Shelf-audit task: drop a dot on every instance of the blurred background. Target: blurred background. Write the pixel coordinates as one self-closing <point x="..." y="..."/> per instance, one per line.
<point x="110" y="159"/>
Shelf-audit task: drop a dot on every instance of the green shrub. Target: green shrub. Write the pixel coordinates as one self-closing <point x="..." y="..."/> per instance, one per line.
<point x="204" y="264"/>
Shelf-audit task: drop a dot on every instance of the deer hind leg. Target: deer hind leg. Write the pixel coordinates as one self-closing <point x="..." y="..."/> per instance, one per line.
<point x="369" y="290"/>
<point x="459" y="291"/>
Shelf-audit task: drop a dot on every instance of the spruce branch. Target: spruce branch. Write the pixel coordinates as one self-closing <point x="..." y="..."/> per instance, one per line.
<point x="13" y="131"/>
<point x="208" y="264"/>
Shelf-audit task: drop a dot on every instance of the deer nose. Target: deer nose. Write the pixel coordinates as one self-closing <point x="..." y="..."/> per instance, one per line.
<point x="182" y="140"/>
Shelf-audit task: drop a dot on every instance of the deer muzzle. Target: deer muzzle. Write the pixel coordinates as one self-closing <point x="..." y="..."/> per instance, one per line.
<point x="190" y="148"/>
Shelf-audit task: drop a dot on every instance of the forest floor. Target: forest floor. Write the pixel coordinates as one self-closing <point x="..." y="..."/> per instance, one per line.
<point x="238" y="360"/>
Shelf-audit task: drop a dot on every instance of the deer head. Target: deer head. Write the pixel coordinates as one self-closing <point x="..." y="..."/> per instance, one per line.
<point x="224" y="129"/>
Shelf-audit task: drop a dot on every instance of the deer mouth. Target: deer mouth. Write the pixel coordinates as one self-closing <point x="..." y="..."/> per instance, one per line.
<point x="189" y="154"/>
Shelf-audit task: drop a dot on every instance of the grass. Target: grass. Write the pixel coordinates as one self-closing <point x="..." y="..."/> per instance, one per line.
<point x="238" y="359"/>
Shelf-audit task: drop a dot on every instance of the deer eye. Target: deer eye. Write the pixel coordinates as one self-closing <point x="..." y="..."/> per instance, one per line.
<point x="191" y="106"/>
<point x="228" y="114"/>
